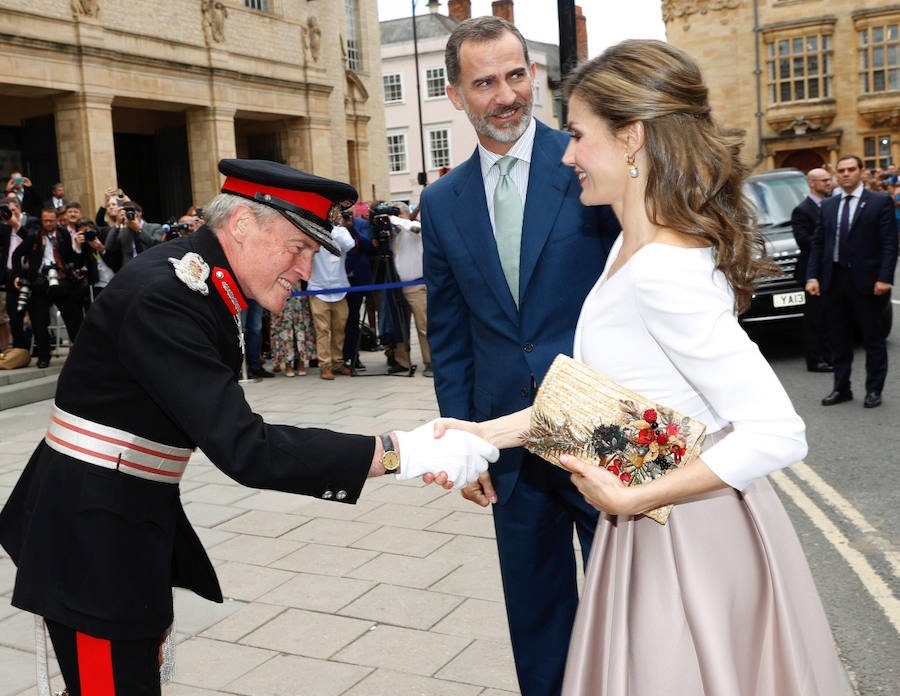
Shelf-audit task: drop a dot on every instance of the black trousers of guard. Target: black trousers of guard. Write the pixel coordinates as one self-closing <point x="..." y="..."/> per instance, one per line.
<point x="846" y="306"/>
<point x="816" y="339"/>
<point x="132" y="664"/>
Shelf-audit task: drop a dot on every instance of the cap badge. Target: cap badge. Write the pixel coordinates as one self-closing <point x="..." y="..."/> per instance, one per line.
<point x="193" y="271"/>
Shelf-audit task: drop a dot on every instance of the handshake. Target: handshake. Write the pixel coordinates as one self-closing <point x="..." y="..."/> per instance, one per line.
<point x="459" y="454"/>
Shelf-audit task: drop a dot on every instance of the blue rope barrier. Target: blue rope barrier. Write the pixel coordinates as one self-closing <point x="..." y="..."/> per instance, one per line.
<point x="357" y="288"/>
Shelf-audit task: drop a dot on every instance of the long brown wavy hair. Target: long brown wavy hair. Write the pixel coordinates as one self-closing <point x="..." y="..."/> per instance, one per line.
<point x="694" y="182"/>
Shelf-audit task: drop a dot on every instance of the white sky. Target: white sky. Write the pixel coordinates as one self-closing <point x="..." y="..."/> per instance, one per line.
<point x="608" y="21"/>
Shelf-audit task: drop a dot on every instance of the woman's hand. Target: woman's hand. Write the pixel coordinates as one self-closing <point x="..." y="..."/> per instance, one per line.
<point x="600" y="488"/>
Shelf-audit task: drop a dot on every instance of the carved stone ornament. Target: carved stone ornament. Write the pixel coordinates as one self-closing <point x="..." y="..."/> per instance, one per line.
<point x="880" y="110"/>
<point x="801" y="118"/>
<point x="214" y="14"/>
<point x="673" y="9"/>
<point x="85" y="8"/>
<point x="314" y="36"/>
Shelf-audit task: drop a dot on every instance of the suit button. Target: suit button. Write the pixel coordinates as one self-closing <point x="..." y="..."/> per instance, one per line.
<point x="529" y="347"/>
<point x="327" y="495"/>
<point x="524" y="391"/>
<point x="340" y="495"/>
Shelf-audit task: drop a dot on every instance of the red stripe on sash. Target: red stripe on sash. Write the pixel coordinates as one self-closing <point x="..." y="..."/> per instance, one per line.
<point x="95" y="669"/>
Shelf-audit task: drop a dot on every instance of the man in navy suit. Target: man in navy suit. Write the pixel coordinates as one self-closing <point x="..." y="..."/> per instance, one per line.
<point x="803" y="224"/>
<point x="851" y="263"/>
<point x="497" y="319"/>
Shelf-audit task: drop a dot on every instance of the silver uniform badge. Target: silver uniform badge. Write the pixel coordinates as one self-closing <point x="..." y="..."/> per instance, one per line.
<point x="193" y="271"/>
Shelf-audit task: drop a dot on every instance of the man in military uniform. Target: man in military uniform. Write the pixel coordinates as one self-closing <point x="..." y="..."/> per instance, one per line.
<point x="95" y="523"/>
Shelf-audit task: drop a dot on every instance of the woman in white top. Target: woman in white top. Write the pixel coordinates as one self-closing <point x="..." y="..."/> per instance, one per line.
<point x="720" y="600"/>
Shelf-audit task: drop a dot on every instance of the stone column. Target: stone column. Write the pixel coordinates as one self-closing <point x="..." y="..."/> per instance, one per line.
<point x="84" y="143"/>
<point x="210" y="138"/>
<point x="295" y="141"/>
<point x="321" y="159"/>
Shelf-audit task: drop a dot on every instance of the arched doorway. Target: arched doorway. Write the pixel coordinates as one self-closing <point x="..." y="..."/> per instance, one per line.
<point x="804" y="160"/>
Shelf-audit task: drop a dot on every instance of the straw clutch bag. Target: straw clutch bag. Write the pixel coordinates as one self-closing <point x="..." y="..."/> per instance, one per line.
<point x="580" y="412"/>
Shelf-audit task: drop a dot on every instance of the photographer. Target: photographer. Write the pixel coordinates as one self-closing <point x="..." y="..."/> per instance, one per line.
<point x="130" y="234"/>
<point x="393" y="313"/>
<point x="359" y="272"/>
<point x="92" y="241"/>
<point x="408" y="252"/>
<point x="20" y="187"/>
<point x="45" y="263"/>
<point x="14" y="228"/>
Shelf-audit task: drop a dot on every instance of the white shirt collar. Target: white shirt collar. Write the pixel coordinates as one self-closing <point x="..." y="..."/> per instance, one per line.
<point x="856" y="193"/>
<point x="521" y="149"/>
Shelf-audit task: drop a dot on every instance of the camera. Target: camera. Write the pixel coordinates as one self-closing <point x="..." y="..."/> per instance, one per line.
<point x="52" y="276"/>
<point x="130" y="210"/>
<point x="5" y="211"/>
<point x="172" y="230"/>
<point x="89" y="232"/>
<point x="24" y="295"/>
<point x="380" y="223"/>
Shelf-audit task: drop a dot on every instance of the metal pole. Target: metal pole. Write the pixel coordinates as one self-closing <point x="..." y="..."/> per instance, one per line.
<point x="568" y="44"/>
<point x="423" y="176"/>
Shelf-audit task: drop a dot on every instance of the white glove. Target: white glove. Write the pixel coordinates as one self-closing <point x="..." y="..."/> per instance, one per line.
<point x="462" y="455"/>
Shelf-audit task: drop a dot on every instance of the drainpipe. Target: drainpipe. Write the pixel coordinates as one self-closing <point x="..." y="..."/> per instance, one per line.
<point x="758" y="72"/>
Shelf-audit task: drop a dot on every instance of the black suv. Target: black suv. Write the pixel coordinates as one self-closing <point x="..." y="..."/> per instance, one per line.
<point x="775" y="194"/>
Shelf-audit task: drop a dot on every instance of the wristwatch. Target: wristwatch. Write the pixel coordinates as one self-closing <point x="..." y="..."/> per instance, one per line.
<point x="391" y="459"/>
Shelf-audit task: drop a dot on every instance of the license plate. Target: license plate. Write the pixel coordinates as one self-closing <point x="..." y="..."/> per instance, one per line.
<point x="789" y="299"/>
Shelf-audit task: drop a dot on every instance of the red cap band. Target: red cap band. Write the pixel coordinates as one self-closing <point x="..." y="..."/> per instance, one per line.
<point x="313" y="202"/>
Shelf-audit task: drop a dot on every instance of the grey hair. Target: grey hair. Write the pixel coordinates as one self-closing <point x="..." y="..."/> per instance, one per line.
<point x="477" y="29"/>
<point x="402" y="207"/>
<point x="219" y="209"/>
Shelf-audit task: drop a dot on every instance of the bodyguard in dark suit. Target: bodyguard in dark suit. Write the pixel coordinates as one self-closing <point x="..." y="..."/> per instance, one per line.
<point x="851" y="263"/>
<point x="499" y="312"/>
<point x="803" y="223"/>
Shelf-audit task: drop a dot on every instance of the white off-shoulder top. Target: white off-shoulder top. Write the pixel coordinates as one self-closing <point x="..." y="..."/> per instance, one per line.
<point x="664" y="326"/>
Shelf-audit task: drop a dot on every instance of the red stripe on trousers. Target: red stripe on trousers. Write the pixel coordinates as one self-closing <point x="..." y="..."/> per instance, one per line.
<point x="95" y="669"/>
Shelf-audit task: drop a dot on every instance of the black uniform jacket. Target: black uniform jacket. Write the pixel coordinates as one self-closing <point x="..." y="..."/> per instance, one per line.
<point x="100" y="550"/>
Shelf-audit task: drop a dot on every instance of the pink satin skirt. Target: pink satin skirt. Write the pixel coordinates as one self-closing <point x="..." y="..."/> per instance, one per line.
<point x="720" y="601"/>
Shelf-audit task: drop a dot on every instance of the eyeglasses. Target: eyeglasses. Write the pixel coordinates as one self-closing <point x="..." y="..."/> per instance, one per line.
<point x="828" y="179"/>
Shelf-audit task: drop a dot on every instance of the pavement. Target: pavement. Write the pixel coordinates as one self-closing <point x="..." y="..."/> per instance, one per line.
<point x="398" y="594"/>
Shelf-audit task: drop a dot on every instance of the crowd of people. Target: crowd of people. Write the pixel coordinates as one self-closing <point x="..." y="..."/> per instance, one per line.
<point x="57" y="258"/>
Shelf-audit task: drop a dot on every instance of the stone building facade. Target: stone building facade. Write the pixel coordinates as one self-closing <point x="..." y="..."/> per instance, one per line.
<point x="148" y="95"/>
<point x="806" y="80"/>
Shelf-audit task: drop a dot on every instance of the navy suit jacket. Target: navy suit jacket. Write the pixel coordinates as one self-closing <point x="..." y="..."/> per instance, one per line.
<point x="487" y="354"/>
<point x="872" y="242"/>
<point x="803" y="225"/>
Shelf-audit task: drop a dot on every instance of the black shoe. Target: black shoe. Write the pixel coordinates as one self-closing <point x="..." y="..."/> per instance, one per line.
<point x="358" y="366"/>
<point x="873" y="400"/>
<point x="837" y="397"/>
<point x="396" y="368"/>
<point x="820" y="366"/>
<point x="428" y="372"/>
<point x="46" y="363"/>
<point x="260" y="372"/>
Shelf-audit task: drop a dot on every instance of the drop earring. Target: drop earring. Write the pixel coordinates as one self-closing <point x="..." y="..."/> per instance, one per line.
<point x="632" y="167"/>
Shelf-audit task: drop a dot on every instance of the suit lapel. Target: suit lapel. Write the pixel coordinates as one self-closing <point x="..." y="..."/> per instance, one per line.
<point x="548" y="180"/>
<point x="474" y="224"/>
<point x="860" y="207"/>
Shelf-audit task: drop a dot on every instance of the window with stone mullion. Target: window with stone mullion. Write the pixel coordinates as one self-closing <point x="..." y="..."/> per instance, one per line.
<point x="799" y="68"/>
<point x="879" y="58"/>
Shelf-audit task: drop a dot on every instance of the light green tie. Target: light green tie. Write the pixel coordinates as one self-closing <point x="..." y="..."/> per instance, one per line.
<point x="508" y="224"/>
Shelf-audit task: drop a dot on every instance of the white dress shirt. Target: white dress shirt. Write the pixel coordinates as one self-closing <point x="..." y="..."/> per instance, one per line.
<point x="328" y="270"/>
<point x="519" y="172"/>
<point x="408" y="249"/>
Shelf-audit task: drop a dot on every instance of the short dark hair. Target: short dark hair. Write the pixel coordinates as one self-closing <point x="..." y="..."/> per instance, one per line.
<point x="72" y="204"/>
<point x="859" y="162"/>
<point x="477" y="29"/>
<point x="49" y="209"/>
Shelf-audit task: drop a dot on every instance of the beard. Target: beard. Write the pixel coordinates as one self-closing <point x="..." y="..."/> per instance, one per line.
<point x="506" y="134"/>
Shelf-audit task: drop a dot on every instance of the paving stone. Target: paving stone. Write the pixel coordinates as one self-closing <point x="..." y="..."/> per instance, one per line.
<point x="321" y="559"/>
<point x="316" y="592"/>
<point x="212" y="664"/>
<point x="248" y="582"/>
<point x="174" y="689"/>
<point x="315" y="507"/>
<point x="406" y="571"/>
<point x="497" y="692"/>
<point x="452" y="500"/>
<point x="336" y="532"/>
<point x="401" y="492"/>
<point x="246" y="620"/>
<point x="469" y="549"/>
<point x="466" y="523"/>
<point x="17" y="631"/>
<point x="292" y="675"/>
<point x="193" y="613"/>
<point x="273" y="501"/>
<point x="209" y="515"/>
<point x="212" y="537"/>
<point x="7" y="574"/>
<point x="263" y="523"/>
<point x="476" y="618"/>
<point x="16" y="670"/>
<point x="384" y="682"/>
<point x="474" y="579"/>
<point x="403" y="650"/>
<point x="216" y="493"/>
<point x="409" y="516"/>
<point x="483" y="662"/>
<point x="409" y="542"/>
<point x="402" y="606"/>
<point x="254" y="549"/>
<point x="307" y="633"/>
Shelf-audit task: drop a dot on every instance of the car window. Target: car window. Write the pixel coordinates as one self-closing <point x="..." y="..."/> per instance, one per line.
<point x="774" y="199"/>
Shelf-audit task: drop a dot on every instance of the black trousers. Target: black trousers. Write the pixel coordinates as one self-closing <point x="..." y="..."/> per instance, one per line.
<point x="96" y="667"/>
<point x="816" y="341"/>
<point x="16" y="319"/>
<point x="70" y="308"/>
<point x="847" y="306"/>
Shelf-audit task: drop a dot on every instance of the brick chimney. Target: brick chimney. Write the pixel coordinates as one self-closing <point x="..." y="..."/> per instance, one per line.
<point x="580" y="35"/>
<point x="460" y="10"/>
<point x="503" y="9"/>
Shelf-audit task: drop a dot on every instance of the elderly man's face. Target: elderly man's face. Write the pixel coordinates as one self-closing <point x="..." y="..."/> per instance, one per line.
<point x="271" y="259"/>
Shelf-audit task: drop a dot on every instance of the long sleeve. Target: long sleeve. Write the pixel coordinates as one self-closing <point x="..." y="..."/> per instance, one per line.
<point x="690" y="316"/>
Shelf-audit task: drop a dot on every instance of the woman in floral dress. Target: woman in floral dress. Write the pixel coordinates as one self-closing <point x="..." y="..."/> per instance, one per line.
<point x="293" y="336"/>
